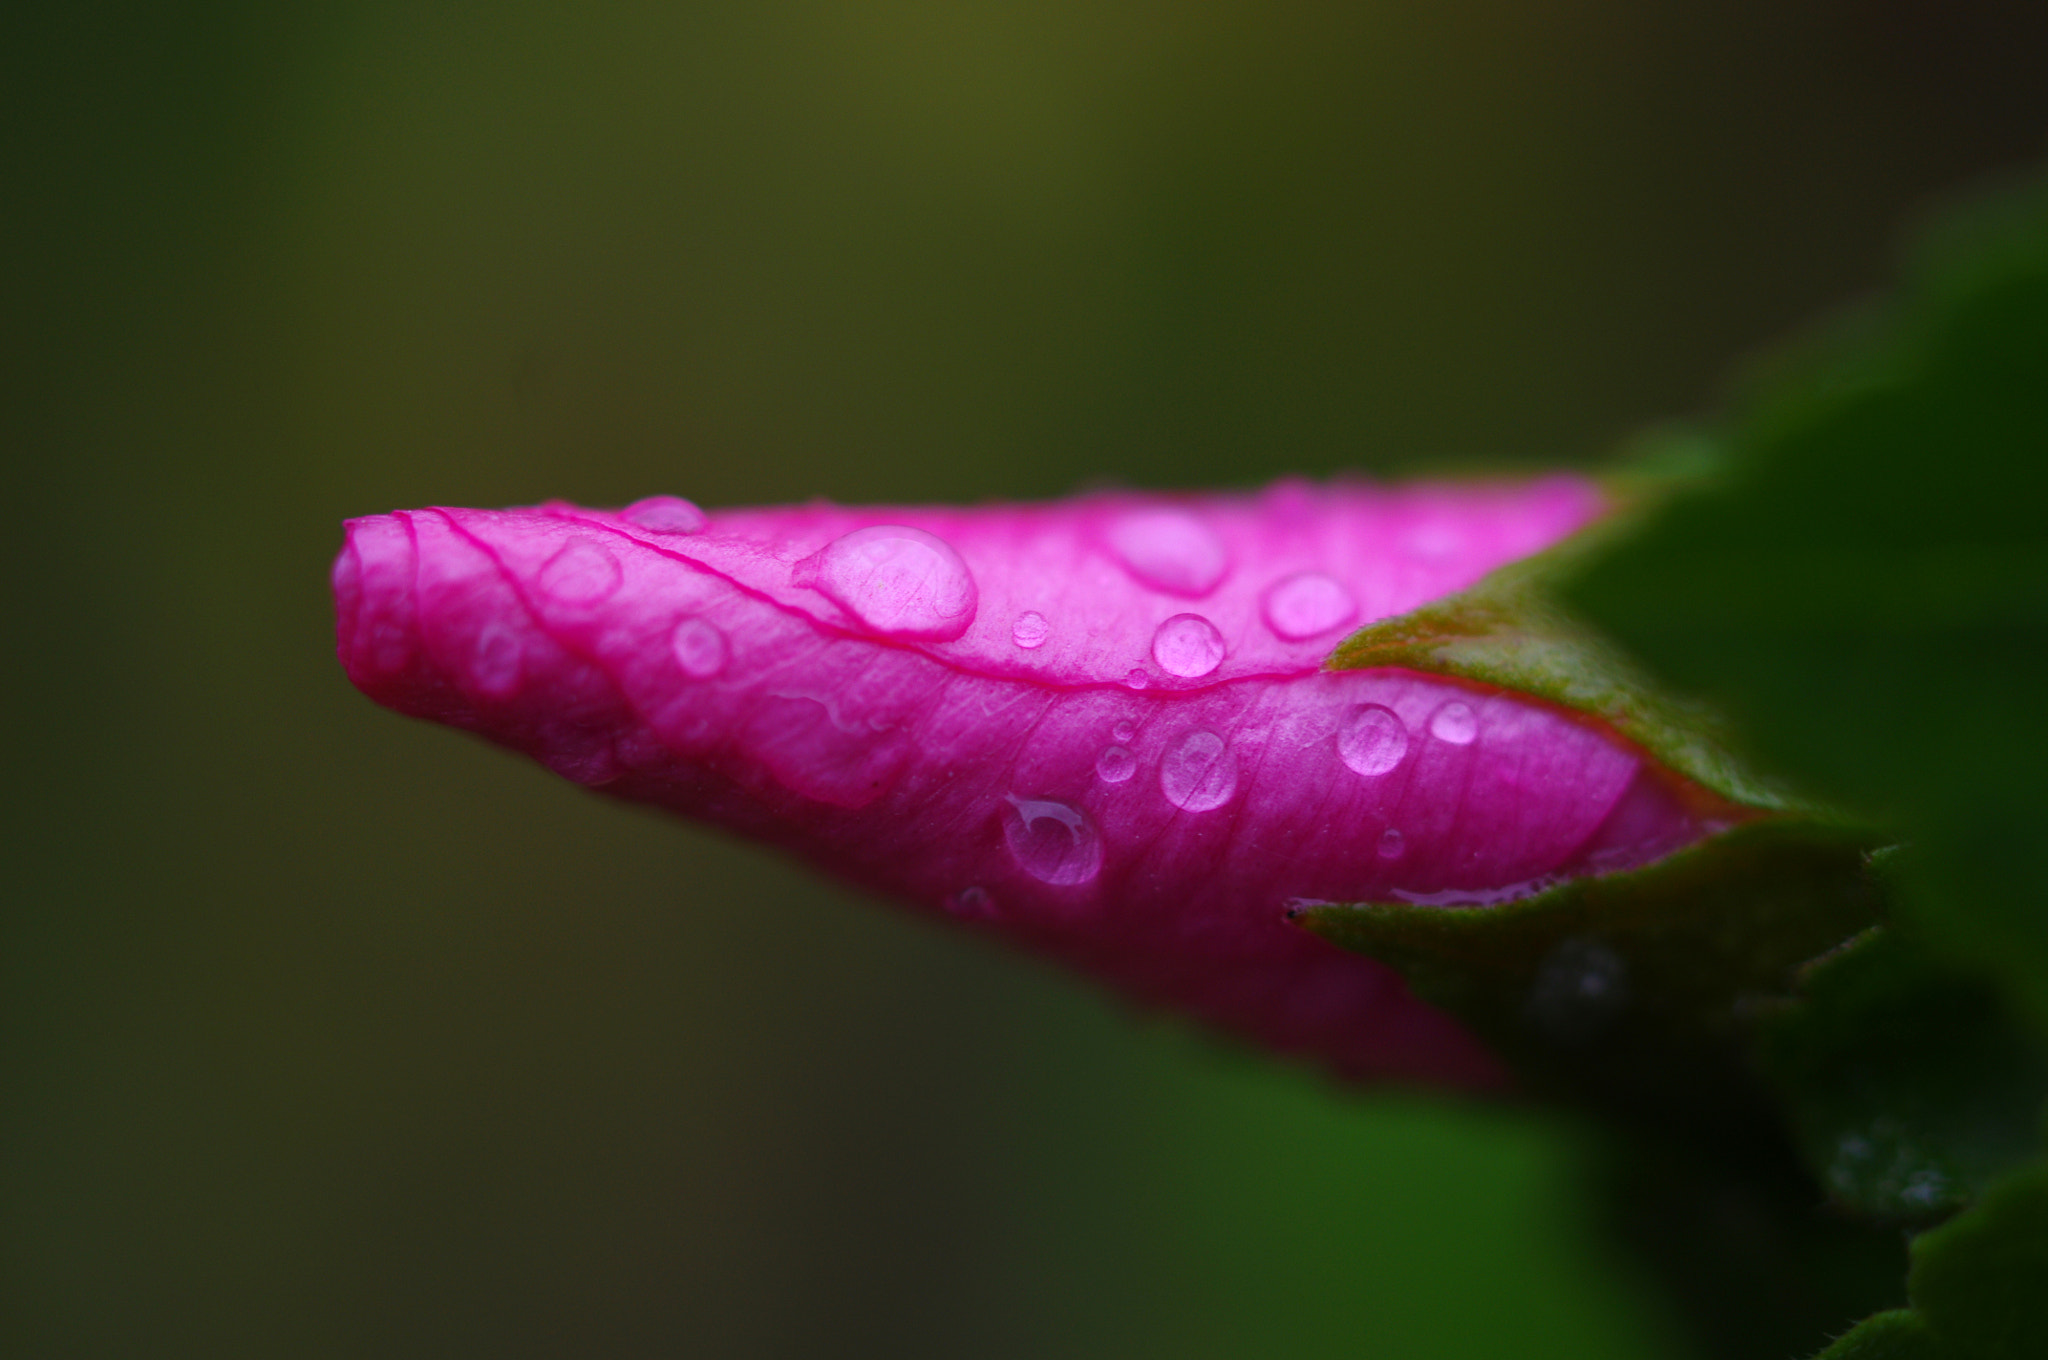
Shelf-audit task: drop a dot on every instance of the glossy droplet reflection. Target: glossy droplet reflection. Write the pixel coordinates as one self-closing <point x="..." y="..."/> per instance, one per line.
<point x="1392" y="843"/>
<point x="1115" y="764"/>
<point x="1199" y="773"/>
<point x="1187" y="645"/>
<point x="899" y="581"/>
<point x="496" y="664"/>
<point x="700" y="649"/>
<point x="1137" y="679"/>
<point x="1306" y="605"/>
<point x="1051" y="841"/>
<point x="1169" y="550"/>
<point x="581" y="574"/>
<point x="1455" y="723"/>
<point x="1124" y="731"/>
<point x="664" y="515"/>
<point x="1030" y="630"/>
<point x="1373" y="741"/>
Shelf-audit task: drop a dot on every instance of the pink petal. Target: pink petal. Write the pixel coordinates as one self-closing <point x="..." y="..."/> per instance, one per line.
<point x="1098" y="726"/>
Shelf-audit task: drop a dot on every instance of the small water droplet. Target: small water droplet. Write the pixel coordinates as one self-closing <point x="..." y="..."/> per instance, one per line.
<point x="497" y="663"/>
<point x="1124" y="731"/>
<point x="899" y="581"/>
<point x="1137" y="679"/>
<point x="1030" y="630"/>
<point x="664" y="515"/>
<point x="1455" y="723"/>
<point x="1170" y="550"/>
<point x="1392" y="843"/>
<point x="1200" y="773"/>
<point x="700" y="649"/>
<point x="1306" y="604"/>
<point x="972" y="904"/>
<point x="1051" y="841"/>
<point x="581" y="574"/>
<point x="1373" y="741"/>
<point x="1115" y="764"/>
<point x="1187" y="645"/>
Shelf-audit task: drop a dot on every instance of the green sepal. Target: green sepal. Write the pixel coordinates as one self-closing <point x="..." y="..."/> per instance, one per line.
<point x="1900" y="1334"/>
<point x="1634" y="991"/>
<point x="1981" y="1279"/>
<point x="1910" y="1088"/>
<point x="1509" y="631"/>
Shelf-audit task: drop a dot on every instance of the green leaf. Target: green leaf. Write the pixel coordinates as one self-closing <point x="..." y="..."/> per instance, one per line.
<point x="1634" y="991"/>
<point x="1866" y="591"/>
<point x="1909" y="1087"/>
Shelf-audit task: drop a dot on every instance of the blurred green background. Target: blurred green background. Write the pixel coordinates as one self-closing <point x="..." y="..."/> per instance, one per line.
<point x="332" y="1034"/>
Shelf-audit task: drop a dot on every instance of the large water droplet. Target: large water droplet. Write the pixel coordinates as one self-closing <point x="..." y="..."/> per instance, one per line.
<point x="1030" y="630"/>
<point x="899" y="581"/>
<point x="497" y="663"/>
<point x="1373" y="740"/>
<point x="1392" y="843"/>
<point x="1306" y="604"/>
<point x="1170" y="550"/>
<point x="700" y="649"/>
<point x="581" y="574"/>
<point x="1115" y="764"/>
<point x="1455" y="723"/>
<point x="1199" y="773"/>
<point x="664" y="515"/>
<point x="1052" y="842"/>
<point x="1187" y="645"/>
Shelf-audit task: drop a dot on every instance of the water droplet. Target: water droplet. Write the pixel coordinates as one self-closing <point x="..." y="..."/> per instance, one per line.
<point x="1187" y="645"/>
<point x="1199" y="773"/>
<point x="1137" y="679"/>
<point x="1392" y="843"/>
<point x="1373" y="740"/>
<point x="1306" y="604"/>
<point x="972" y="904"/>
<point x="1030" y="630"/>
<point x="1115" y="764"/>
<point x="1124" y="731"/>
<point x="1455" y="723"/>
<point x="899" y="581"/>
<point x="1579" y="988"/>
<point x="1052" y="842"/>
<point x="664" y="515"/>
<point x="1170" y="550"/>
<point x="700" y="649"/>
<point x="496" y="665"/>
<point x="581" y="574"/>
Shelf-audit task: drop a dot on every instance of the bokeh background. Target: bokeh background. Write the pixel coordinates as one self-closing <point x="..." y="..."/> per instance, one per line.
<point x="332" y="1034"/>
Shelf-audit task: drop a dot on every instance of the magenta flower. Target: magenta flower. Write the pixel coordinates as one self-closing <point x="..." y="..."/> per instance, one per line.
<point x="1099" y="726"/>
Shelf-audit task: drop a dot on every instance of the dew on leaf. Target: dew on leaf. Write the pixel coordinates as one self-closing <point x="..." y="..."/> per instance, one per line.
<point x="1170" y="550"/>
<point x="899" y="581"/>
<point x="1199" y="773"/>
<point x="1115" y="764"/>
<point x="700" y="649"/>
<point x="1187" y="645"/>
<point x="1455" y="723"/>
<point x="1373" y="741"/>
<point x="664" y="515"/>
<point x="581" y="574"/>
<point x="1051" y="841"/>
<point x="1307" y="604"/>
